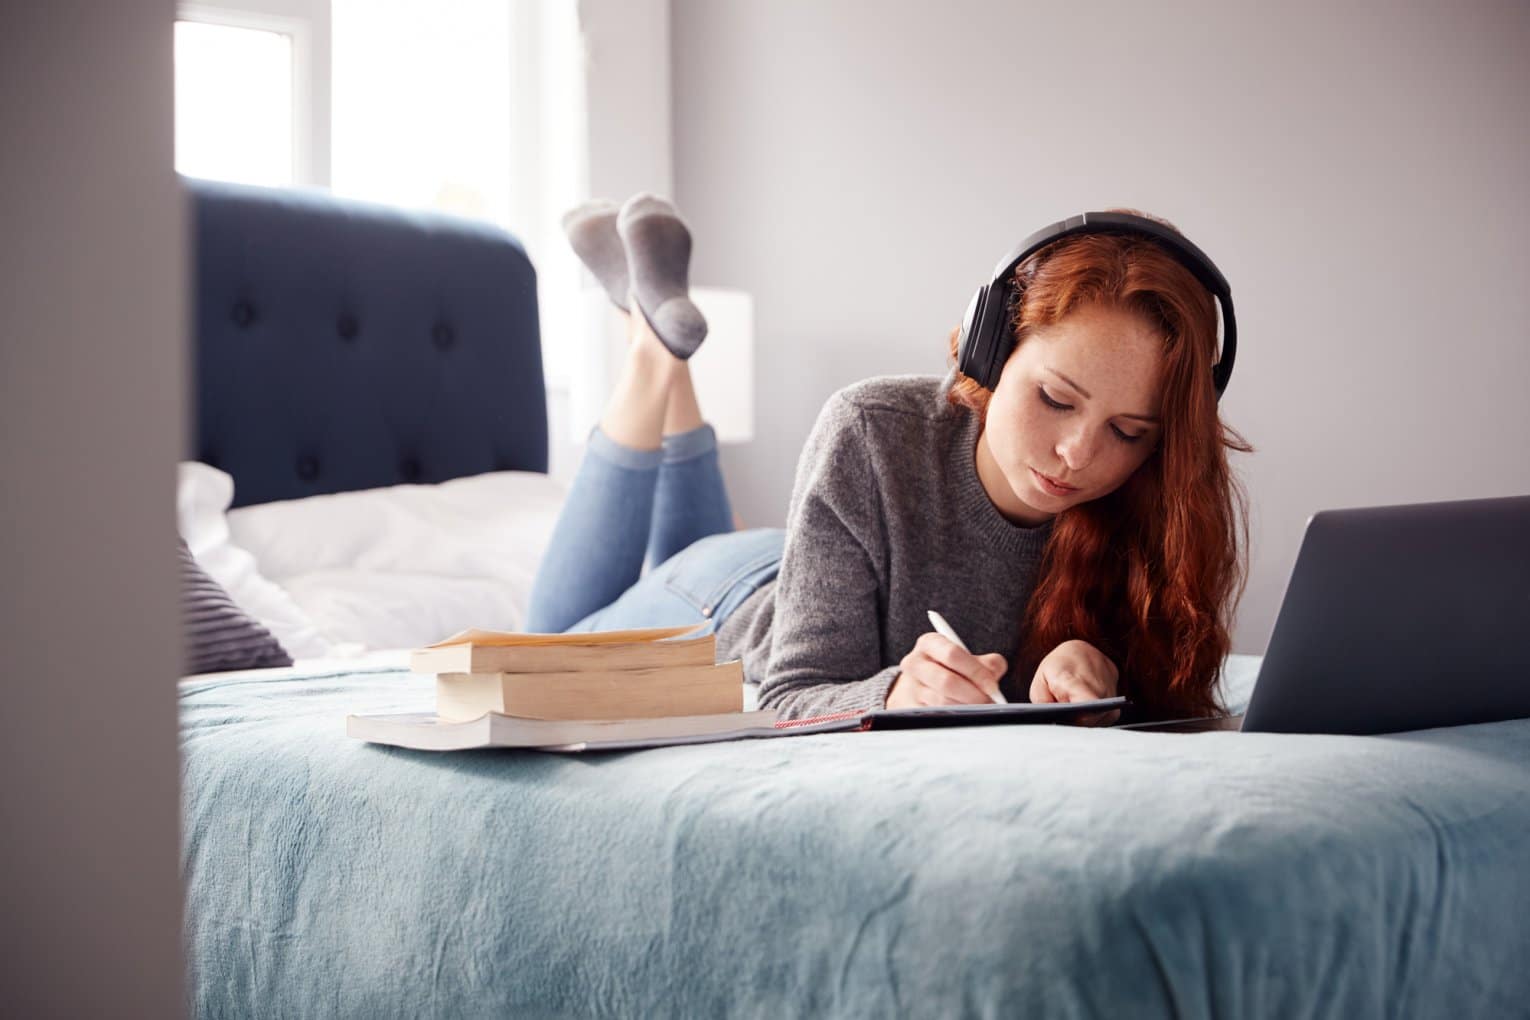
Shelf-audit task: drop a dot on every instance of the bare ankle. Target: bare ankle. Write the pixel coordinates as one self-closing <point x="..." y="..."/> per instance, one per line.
<point x="642" y="338"/>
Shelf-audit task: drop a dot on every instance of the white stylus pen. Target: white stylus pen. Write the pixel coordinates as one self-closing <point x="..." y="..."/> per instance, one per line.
<point x="944" y="629"/>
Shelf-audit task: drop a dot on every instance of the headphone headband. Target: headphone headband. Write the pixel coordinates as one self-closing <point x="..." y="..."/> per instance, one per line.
<point x="985" y="341"/>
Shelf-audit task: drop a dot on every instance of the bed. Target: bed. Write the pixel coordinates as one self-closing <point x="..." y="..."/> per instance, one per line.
<point x="1036" y="871"/>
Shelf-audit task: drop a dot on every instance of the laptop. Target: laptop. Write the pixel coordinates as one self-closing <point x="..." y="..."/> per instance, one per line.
<point x="1400" y="618"/>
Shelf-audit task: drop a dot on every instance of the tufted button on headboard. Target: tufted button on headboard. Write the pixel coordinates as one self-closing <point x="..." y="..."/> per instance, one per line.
<point x="341" y="345"/>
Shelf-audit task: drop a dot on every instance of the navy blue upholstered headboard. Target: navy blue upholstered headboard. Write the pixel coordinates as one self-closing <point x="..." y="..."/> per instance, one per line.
<point x="341" y="345"/>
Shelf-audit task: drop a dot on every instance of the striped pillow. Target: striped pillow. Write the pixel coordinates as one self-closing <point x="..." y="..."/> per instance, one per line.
<point x="218" y="635"/>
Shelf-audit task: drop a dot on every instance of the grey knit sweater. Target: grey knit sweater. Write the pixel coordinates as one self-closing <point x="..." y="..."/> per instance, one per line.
<point x="887" y="520"/>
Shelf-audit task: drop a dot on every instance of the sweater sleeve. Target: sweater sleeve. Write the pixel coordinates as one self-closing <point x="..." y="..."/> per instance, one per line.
<point x="825" y="648"/>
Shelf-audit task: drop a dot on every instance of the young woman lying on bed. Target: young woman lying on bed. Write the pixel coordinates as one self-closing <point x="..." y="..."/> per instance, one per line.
<point x="1075" y="521"/>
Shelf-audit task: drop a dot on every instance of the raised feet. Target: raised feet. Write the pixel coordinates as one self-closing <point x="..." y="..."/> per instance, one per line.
<point x="658" y="247"/>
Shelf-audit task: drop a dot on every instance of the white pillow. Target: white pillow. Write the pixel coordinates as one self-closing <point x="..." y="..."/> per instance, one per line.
<point x="202" y="497"/>
<point x="406" y="565"/>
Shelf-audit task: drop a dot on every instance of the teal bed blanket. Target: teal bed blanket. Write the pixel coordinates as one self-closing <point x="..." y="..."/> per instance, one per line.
<point x="999" y="871"/>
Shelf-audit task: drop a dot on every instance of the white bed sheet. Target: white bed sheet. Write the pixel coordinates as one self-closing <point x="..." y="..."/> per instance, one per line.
<point x="403" y="566"/>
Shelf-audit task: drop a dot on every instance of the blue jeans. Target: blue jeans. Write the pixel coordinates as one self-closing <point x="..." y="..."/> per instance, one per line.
<point x="666" y="510"/>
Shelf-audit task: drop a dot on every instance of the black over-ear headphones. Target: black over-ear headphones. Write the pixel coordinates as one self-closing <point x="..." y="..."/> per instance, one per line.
<point x="986" y="341"/>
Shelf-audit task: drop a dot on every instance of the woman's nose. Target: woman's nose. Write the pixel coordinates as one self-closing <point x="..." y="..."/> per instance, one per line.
<point x="1075" y="449"/>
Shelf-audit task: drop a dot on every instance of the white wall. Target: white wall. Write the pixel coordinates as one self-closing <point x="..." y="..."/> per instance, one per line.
<point x="1358" y="174"/>
<point x="92" y="327"/>
<point x="623" y="146"/>
<point x="628" y="94"/>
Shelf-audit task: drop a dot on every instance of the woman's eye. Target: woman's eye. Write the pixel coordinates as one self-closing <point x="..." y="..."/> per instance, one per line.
<point x="1054" y="405"/>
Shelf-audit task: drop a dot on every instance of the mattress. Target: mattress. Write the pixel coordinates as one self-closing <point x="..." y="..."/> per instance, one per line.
<point x="1044" y="871"/>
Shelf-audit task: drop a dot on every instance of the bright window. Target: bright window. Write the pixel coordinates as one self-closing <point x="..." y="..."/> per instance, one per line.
<point x="422" y="104"/>
<point x="233" y="103"/>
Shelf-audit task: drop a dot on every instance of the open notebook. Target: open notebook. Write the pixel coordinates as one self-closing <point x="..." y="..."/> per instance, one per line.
<point x="425" y="731"/>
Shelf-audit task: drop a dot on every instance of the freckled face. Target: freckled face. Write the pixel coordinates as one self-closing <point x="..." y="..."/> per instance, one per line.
<point x="1070" y="405"/>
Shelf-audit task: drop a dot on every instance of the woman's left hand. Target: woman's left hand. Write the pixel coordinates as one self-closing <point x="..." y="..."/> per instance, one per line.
<point x="1077" y="671"/>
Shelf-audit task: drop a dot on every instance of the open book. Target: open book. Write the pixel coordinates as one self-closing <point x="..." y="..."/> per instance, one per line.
<point x="490" y="651"/>
<point x="429" y="732"/>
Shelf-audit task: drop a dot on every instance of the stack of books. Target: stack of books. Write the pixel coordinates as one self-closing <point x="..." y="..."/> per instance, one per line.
<point x="627" y="674"/>
<point x="630" y="687"/>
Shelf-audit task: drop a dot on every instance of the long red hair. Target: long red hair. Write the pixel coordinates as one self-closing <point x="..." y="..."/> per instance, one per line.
<point x="1151" y="573"/>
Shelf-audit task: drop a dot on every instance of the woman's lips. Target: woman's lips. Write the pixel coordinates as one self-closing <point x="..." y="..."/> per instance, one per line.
<point x="1050" y="486"/>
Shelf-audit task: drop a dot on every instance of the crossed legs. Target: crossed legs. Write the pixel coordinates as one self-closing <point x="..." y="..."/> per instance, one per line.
<point x="654" y="396"/>
<point x="649" y="486"/>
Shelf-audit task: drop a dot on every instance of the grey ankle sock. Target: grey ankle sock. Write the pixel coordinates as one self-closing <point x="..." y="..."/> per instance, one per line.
<point x="591" y="230"/>
<point x="658" y="247"/>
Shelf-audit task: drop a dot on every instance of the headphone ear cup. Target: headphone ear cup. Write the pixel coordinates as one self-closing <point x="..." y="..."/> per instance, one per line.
<point x="967" y="343"/>
<point x="996" y="339"/>
<point x="985" y="337"/>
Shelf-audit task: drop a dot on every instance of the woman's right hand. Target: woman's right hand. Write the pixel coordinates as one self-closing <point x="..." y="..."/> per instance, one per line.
<point x="938" y="672"/>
